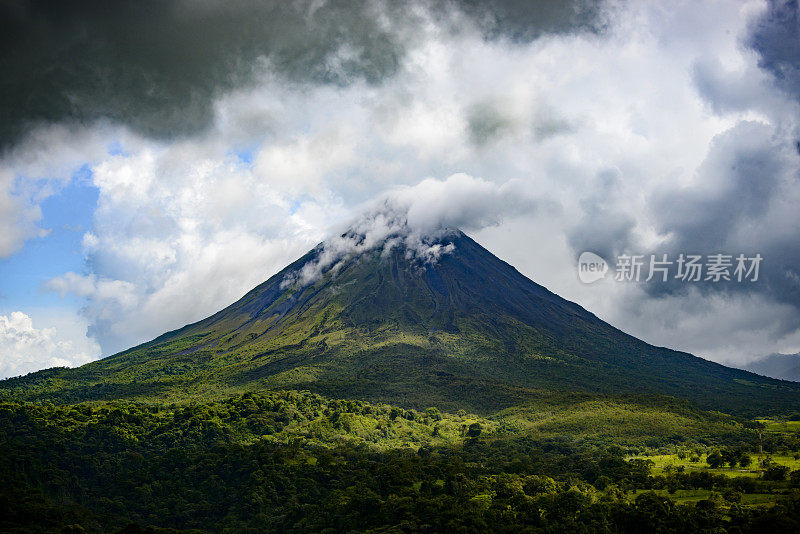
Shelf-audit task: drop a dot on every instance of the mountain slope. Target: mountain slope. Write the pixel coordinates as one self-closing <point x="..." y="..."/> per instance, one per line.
<point x="434" y="322"/>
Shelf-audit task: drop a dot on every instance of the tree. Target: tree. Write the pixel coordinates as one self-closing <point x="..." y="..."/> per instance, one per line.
<point x="715" y="459"/>
<point x="729" y="457"/>
<point x="745" y="460"/>
<point x="603" y="482"/>
<point x="776" y="472"/>
<point x="433" y="413"/>
<point x="474" y="430"/>
<point x="732" y="496"/>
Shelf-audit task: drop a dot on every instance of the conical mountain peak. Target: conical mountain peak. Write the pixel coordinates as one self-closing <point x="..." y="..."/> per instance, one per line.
<point x="395" y="311"/>
<point x="384" y="228"/>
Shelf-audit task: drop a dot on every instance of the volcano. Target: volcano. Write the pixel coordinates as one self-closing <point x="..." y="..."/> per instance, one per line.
<point x="410" y="320"/>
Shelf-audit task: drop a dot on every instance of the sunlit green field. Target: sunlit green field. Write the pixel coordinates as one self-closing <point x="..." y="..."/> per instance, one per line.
<point x="780" y="426"/>
<point x="686" y="496"/>
<point x="663" y="463"/>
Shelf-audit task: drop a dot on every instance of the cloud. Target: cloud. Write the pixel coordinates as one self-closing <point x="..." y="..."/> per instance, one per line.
<point x="24" y="348"/>
<point x="774" y="35"/>
<point x="38" y="168"/>
<point x="740" y="204"/>
<point x="18" y="218"/>
<point x="727" y="328"/>
<point x="418" y="219"/>
<point x="113" y="294"/>
<point x="158" y="66"/>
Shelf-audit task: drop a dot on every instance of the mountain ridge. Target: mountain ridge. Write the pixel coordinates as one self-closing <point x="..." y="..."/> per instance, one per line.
<point x="393" y="322"/>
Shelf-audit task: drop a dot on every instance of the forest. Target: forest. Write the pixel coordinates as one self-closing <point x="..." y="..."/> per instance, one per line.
<point x="294" y="461"/>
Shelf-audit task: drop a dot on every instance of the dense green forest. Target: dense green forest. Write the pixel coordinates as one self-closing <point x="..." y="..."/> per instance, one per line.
<point x="297" y="462"/>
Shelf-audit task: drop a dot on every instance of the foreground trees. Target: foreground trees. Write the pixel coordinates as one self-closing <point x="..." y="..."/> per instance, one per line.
<point x="296" y="462"/>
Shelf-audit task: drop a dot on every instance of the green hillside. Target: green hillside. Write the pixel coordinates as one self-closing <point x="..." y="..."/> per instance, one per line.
<point x="467" y="332"/>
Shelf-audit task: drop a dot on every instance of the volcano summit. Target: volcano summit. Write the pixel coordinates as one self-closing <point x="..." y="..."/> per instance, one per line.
<point x="388" y="314"/>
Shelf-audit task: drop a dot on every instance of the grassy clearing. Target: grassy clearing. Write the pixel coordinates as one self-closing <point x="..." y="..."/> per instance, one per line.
<point x="663" y="463"/>
<point x="691" y="496"/>
<point x="622" y="420"/>
<point x="681" y="496"/>
<point x="780" y="426"/>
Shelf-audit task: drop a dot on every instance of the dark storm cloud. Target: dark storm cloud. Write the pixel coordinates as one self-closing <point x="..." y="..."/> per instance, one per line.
<point x="738" y="180"/>
<point x="750" y="175"/>
<point x="486" y="122"/>
<point x="489" y="121"/>
<point x="156" y="65"/>
<point x="776" y="37"/>
<point x="603" y="228"/>
<point x="524" y="20"/>
<point x="725" y="92"/>
<point x="742" y="196"/>
<point x="739" y="206"/>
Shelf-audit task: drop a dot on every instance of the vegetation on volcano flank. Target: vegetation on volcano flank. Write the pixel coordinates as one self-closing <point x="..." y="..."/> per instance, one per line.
<point x="466" y="331"/>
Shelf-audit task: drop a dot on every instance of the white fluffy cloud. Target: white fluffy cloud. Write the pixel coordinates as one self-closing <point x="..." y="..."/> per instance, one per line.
<point x="36" y="169"/>
<point x="17" y="217"/>
<point x="598" y="128"/>
<point x="180" y="231"/>
<point x="24" y="348"/>
<point x="417" y="218"/>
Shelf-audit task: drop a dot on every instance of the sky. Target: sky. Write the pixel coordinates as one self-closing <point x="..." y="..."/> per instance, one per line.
<point x="158" y="159"/>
